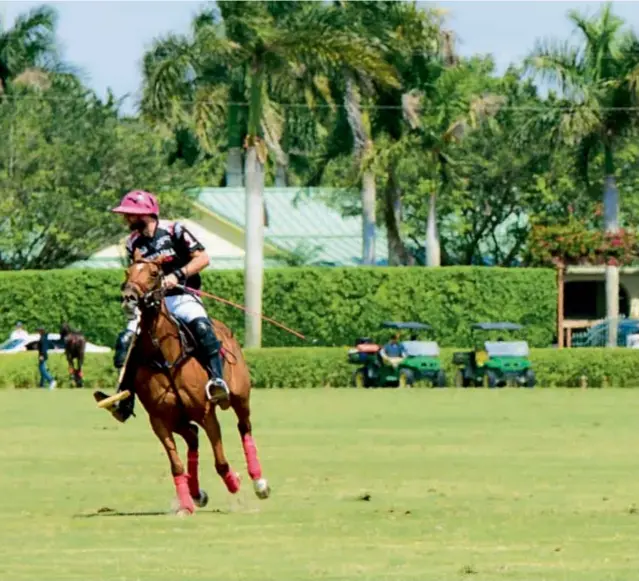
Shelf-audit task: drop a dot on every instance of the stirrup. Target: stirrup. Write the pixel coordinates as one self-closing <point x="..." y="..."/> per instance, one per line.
<point x="217" y="391"/>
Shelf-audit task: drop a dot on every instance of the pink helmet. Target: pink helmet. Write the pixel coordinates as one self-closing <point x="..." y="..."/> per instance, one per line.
<point x="138" y="202"/>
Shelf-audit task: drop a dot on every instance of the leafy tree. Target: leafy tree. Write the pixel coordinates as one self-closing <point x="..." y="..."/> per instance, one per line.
<point x="68" y="160"/>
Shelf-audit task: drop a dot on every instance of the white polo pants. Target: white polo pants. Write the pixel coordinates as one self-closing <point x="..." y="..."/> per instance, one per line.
<point x="186" y="308"/>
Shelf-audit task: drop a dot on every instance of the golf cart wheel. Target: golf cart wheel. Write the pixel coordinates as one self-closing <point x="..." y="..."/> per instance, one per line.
<point x="359" y="378"/>
<point x="531" y="380"/>
<point x="440" y="379"/>
<point x="406" y="378"/>
<point x="490" y="379"/>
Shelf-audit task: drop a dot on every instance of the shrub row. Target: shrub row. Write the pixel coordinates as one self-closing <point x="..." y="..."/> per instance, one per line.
<point x="333" y="306"/>
<point x="327" y="367"/>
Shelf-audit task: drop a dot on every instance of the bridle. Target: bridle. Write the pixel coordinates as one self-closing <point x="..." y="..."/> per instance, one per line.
<point x="134" y="295"/>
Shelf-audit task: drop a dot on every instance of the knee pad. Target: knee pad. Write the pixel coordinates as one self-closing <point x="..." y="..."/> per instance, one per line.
<point x="204" y="333"/>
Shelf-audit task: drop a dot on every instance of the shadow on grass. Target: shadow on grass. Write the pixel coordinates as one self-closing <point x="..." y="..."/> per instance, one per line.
<point x="112" y="512"/>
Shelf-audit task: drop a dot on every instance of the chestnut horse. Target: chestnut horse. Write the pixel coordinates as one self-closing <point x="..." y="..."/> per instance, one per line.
<point x="74" y="347"/>
<point x="170" y="385"/>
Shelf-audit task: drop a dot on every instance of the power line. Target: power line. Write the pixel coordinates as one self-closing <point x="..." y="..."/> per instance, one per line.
<point x="243" y="104"/>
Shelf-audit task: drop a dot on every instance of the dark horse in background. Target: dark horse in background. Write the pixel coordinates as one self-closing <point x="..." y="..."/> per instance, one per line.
<point x="74" y="348"/>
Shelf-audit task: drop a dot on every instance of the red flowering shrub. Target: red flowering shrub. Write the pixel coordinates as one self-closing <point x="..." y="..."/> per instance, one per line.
<point x="574" y="243"/>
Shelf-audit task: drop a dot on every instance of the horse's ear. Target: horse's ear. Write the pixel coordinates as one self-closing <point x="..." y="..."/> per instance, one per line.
<point x="137" y="255"/>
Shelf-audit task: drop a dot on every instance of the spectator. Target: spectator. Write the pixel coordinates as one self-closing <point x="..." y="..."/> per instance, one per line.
<point x="19" y="332"/>
<point x="43" y="355"/>
<point x="393" y="351"/>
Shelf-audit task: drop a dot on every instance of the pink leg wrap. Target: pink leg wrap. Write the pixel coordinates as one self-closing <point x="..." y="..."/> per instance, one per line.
<point x="232" y="481"/>
<point x="194" y="482"/>
<point x="182" y="488"/>
<point x="250" y="453"/>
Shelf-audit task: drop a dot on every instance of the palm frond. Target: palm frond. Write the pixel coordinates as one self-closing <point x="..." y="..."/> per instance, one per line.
<point x="209" y="111"/>
<point x="168" y="68"/>
<point x="412" y="105"/>
<point x="579" y="121"/>
<point x="29" y="43"/>
<point x="34" y="78"/>
<point x="273" y="129"/>
<point x="632" y="78"/>
<point x="560" y="64"/>
<point x="320" y="38"/>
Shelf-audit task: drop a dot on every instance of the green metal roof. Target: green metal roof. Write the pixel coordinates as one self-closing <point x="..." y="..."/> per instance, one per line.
<point x="299" y="221"/>
<point x="220" y="263"/>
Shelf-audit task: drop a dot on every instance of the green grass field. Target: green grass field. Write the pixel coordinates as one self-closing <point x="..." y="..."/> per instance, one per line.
<point x="464" y="484"/>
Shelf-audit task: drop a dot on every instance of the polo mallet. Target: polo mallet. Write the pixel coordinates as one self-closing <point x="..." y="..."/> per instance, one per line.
<point x="122" y="394"/>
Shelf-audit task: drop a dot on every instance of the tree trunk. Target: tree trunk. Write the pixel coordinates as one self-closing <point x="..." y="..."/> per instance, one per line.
<point x="254" y="257"/>
<point x="234" y="168"/>
<point x="362" y="145"/>
<point x="433" y="250"/>
<point x="611" y="225"/>
<point x="281" y="180"/>
<point x="398" y="255"/>
<point x="368" y="218"/>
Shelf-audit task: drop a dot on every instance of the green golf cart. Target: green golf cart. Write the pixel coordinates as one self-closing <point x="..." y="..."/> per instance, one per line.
<point x="495" y="363"/>
<point x="421" y="362"/>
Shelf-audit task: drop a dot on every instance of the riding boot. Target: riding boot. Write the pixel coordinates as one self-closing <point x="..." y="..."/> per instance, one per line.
<point x="122" y="409"/>
<point x="209" y="356"/>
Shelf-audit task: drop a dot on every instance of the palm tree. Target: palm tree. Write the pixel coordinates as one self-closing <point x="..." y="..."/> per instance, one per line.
<point x="407" y="35"/>
<point x="461" y="102"/>
<point x="249" y="42"/>
<point x="599" y="81"/>
<point x="27" y="47"/>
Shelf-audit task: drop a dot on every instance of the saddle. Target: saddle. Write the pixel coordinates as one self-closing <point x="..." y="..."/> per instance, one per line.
<point x="188" y="343"/>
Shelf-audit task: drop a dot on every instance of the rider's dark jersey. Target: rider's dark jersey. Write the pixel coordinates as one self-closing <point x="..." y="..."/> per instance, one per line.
<point x="171" y="240"/>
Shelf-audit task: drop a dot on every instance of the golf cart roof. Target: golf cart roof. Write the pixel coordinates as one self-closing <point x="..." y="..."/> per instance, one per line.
<point x="409" y="325"/>
<point x="504" y="326"/>
<point x="421" y="348"/>
<point x="507" y="348"/>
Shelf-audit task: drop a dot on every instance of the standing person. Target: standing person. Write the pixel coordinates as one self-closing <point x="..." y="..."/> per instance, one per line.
<point x="43" y="355"/>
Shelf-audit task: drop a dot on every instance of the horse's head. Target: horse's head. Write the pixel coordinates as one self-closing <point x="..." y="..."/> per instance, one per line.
<point x="142" y="287"/>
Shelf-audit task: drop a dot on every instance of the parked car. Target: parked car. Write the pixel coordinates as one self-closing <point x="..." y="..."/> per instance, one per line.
<point x="30" y="343"/>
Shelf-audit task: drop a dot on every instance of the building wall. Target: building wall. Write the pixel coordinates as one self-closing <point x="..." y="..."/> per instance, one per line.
<point x="629" y="291"/>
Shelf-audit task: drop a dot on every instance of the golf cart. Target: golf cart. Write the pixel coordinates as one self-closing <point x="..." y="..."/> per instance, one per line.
<point x="495" y="363"/>
<point x="421" y="362"/>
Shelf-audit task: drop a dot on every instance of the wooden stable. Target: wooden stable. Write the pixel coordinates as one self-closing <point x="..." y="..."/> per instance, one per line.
<point x="629" y="284"/>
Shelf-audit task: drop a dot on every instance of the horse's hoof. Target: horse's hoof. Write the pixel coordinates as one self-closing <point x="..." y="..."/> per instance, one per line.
<point x="261" y="487"/>
<point x="183" y="512"/>
<point x="202" y="500"/>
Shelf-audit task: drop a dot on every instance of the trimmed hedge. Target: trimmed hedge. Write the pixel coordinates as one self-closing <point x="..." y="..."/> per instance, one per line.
<point x="328" y="367"/>
<point x="330" y="305"/>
